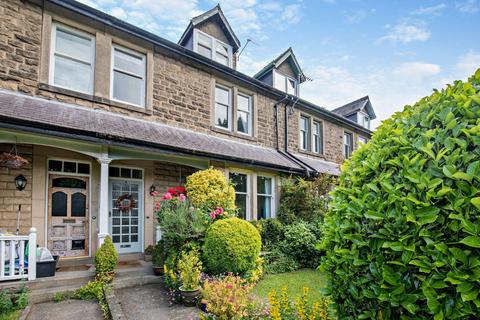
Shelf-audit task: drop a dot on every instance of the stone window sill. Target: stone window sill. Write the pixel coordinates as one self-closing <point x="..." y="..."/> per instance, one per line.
<point x="92" y="98"/>
<point x="233" y="134"/>
<point x="310" y="153"/>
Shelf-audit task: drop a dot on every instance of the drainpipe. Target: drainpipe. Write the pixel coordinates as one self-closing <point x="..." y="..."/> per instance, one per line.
<point x="309" y="170"/>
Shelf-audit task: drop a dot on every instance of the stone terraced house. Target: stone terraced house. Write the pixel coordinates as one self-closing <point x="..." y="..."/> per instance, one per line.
<point x="101" y="109"/>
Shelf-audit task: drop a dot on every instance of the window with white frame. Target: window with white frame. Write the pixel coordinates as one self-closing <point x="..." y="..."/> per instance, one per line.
<point x="317" y="137"/>
<point x="365" y="120"/>
<point x="304" y="133"/>
<point x="212" y="48"/>
<point x="284" y="83"/>
<point x="347" y="144"/>
<point x="223" y="107"/>
<point x="72" y="60"/>
<point x="244" y="113"/>
<point x="264" y="197"/>
<point x="241" y="183"/>
<point x="128" y="76"/>
<point x="362" y="140"/>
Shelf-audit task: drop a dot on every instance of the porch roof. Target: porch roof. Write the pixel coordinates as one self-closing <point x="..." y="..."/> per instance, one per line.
<point x="320" y="165"/>
<point x="34" y="113"/>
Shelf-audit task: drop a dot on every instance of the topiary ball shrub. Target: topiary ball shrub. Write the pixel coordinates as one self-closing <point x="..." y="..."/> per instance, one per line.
<point x="209" y="189"/>
<point x="402" y="238"/>
<point x="231" y="245"/>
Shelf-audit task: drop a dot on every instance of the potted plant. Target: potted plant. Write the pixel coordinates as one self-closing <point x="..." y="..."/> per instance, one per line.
<point x="157" y="258"/>
<point x="190" y="268"/>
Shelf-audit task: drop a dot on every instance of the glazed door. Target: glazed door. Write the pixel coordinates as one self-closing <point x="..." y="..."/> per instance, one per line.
<point x="126" y="214"/>
<point x="68" y="215"/>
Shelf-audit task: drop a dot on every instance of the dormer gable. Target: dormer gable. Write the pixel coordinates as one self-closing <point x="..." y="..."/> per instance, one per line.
<point x="360" y="111"/>
<point x="210" y="35"/>
<point x="283" y="73"/>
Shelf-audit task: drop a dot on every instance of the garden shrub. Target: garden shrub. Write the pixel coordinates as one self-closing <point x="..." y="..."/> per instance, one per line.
<point x="106" y="257"/>
<point x="231" y="245"/>
<point x="208" y="189"/>
<point x="402" y="238"/>
<point x="95" y="290"/>
<point x="304" y="199"/>
<point x="190" y="268"/>
<point x="300" y="242"/>
<point x="278" y="262"/>
<point x="12" y="300"/>
<point x="158" y="254"/>
<point x="271" y="232"/>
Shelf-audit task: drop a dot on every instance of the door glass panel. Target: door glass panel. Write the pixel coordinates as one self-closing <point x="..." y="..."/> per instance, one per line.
<point x="69" y="183"/>
<point x="59" y="204"/>
<point x="69" y="167"/>
<point x="78" y="204"/>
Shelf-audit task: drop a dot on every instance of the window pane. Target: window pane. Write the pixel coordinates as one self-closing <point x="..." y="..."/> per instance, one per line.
<point x="222" y="95"/>
<point x="243" y="103"/>
<point x="73" y="46"/>
<point x="221" y="115"/>
<point x="114" y="172"/>
<point x="69" y="167"/>
<point x="59" y="204"/>
<point x="222" y="59"/>
<point x="264" y="207"/>
<point x="290" y="86"/>
<point x="280" y="82"/>
<point x="128" y="88"/>
<point x="239" y="181"/>
<point x="79" y="201"/>
<point x="204" y="40"/>
<point x="69" y="183"/>
<point x="264" y="185"/>
<point x="136" y="174"/>
<point x="222" y="49"/>
<point x="126" y="173"/>
<point x="129" y="63"/>
<point x="241" y="204"/>
<point x="204" y="51"/>
<point x="72" y="74"/>
<point x="54" y="165"/>
<point x="84" y="168"/>
<point x="243" y="124"/>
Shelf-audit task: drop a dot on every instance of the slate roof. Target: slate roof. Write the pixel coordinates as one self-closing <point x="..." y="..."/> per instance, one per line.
<point x="320" y="165"/>
<point x="356" y="106"/>
<point x="275" y="63"/>
<point x="28" y="111"/>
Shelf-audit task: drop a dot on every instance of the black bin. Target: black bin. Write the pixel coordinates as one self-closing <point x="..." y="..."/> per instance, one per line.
<point x="47" y="268"/>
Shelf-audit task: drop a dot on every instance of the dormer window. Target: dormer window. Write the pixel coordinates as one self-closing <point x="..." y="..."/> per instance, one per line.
<point x="212" y="48"/>
<point x="284" y="83"/>
<point x="364" y="120"/>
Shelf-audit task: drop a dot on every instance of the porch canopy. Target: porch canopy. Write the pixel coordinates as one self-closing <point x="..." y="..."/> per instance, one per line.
<point x="42" y="116"/>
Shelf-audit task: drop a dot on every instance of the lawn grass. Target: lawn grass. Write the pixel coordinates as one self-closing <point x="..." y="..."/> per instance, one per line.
<point x="294" y="282"/>
<point x="14" y="315"/>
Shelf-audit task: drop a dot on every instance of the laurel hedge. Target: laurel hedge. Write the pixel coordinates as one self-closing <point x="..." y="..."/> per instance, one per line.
<point x="402" y="236"/>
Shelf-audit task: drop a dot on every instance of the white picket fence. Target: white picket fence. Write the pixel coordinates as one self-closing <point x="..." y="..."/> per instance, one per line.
<point x="14" y="264"/>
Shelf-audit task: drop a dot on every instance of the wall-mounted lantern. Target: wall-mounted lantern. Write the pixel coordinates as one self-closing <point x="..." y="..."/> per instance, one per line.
<point x="20" y="182"/>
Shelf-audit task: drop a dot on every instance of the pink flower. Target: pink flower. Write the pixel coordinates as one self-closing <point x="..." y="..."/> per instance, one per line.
<point x="157" y="205"/>
<point x="182" y="197"/>
<point x="229" y="286"/>
<point x="212" y="215"/>
<point x="218" y="211"/>
<point x="167" y="196"/>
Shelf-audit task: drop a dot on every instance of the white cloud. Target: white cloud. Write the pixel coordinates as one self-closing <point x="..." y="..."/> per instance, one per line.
<point x="431" y="11"/>
<point x="416" y="71"/>
<point x="292" y="13"/>
<point x="354" y="17"/>
<point x="468" y="6"/>
<point x="467" y="64"/>
<point x="407" y="32"/>
<point x="118" y="13"/>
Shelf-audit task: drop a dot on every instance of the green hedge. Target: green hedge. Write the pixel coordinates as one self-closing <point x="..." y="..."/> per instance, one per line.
<point x="403" y="235"/>
<point x="231" y="245"/>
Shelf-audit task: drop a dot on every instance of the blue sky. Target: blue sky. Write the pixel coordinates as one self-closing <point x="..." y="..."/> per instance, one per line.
<point x="395" y="51"/>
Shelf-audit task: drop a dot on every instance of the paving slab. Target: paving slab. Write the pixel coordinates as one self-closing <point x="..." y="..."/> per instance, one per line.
<point x="150" y="302"/>
<point x="66" y="310"/>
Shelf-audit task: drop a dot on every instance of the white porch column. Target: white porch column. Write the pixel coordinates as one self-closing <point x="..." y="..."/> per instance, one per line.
<point x="103" y="200"/>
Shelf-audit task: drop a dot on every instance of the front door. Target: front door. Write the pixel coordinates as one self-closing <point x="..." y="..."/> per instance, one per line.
<point x="126" y="214"/>
<point x="68" y="215"/>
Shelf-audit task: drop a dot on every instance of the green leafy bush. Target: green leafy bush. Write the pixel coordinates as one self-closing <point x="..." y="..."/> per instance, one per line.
<point x="190" y="268"/>
<point x="402" y="238"/>
<point x="271" y="231"/>
<point x="12" y="300"/>
<point x="278" y="262"/>
<point x="95" y="290"/>
<point x="106" y="257"/>
<point x="300" y="242"/>
<point x="158" y="254"/>
<point x="304" y="199"/>
<point x="231" y="245"/>
<point x="208" y="189"/>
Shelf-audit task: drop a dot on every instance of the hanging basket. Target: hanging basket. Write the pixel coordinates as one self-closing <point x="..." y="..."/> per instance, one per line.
<point x="12" y="161"/>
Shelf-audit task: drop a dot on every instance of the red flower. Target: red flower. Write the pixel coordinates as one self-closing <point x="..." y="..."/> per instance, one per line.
<point x="173" y="192"/>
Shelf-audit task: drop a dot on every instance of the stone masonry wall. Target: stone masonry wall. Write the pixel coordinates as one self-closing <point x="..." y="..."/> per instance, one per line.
<point x="11" y="198"/>
<point x="168" y="175"/>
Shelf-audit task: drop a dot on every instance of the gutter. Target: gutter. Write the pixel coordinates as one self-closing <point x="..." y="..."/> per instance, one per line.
<point x="52" y="130"/>
<point x="309" y="171"/>
<point x="191" y="56"/>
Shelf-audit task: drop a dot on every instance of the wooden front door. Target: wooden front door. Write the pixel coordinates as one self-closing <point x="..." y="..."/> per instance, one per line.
<point x="68" y="215"/>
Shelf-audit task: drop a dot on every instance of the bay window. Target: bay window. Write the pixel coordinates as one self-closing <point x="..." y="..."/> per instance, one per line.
<point x="241" y="183"/>
<point x="72" y="61"/>
<point x="128" y="76"/>
<point x="264" y="197"/>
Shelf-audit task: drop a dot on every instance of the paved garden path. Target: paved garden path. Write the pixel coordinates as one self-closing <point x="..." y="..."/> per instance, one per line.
<point x="150" y="302"/>
<point x="66" y="310"/>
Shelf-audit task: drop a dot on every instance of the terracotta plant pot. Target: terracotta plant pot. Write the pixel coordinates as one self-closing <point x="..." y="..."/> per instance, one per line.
<point x="157" y="270"/>
<point x="189" y="296"/>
